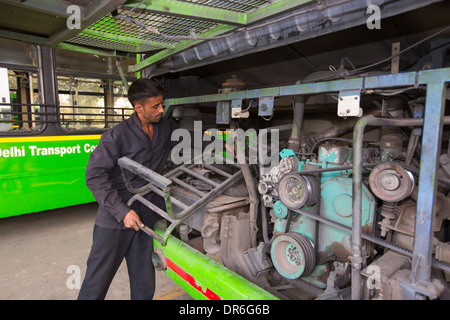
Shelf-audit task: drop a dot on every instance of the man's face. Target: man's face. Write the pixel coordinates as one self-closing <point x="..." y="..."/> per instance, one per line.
<point x="151" y="110"/>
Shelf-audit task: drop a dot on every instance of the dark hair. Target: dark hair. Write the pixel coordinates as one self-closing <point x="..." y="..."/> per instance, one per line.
<point x="142" y="89"/>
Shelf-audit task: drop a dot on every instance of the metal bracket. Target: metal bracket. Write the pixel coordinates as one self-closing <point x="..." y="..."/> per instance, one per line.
<point x="236" y="109"/>
<point x="395" y="62"/>
<point x="223" y="112"/>
<point x="161" y="186"/>
<point x="349" y="103"/>
<point x="265" y="106"/>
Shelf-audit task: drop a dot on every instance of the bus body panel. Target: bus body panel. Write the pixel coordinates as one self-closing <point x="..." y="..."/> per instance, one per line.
<point x="42" y="173"/>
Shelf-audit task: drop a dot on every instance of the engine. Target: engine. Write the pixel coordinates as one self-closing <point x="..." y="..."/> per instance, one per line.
<point x="303" y="239"/>
<point x="299" y="190"/>
<point x="310" y="203"/>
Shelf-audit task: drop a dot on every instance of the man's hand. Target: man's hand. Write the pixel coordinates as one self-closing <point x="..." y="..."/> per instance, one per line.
<point x="132" y="220"/>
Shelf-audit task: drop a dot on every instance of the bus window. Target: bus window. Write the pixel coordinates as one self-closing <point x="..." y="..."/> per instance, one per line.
<point x="91" y="103"/>
<point x="19" y="101"/>
<point x="5" y="117"/>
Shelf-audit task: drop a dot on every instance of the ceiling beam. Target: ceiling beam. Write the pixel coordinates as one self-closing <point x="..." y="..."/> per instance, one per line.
<point x="51" y="7"/>
<point x="93" y="51"/>
<point x="23" y="37"/>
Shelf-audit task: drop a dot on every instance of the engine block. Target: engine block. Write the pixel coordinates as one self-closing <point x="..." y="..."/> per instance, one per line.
<point x="299" y="240"/>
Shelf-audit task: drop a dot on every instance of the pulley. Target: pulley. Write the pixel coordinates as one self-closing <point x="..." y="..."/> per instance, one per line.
<point x="297" y="191"/>
<point x="280" y="210"/>
<point x="390" y="182"/>
<point x="293" y="255"/>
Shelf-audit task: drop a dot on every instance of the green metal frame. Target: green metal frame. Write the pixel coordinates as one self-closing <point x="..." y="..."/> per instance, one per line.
<point x="233" y="21"/>
<point x="159" y="28"/>
<point x="55" y="9"/>
<point x="191" y="9"/>
<point x="202" y="277"/>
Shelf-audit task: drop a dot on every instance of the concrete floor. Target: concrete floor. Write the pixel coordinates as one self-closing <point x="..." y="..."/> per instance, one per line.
<point x="42" y="254"/>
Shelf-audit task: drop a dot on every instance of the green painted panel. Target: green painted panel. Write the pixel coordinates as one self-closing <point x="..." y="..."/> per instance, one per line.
<point x="42" y="173"/>
<point x="202" y="277"/>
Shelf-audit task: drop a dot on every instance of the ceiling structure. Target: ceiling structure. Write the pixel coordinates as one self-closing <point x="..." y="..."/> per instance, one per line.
<point x="172" y="36"/>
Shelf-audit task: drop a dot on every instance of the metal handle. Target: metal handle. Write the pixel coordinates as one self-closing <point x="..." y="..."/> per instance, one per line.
<point x="151" y="233"/>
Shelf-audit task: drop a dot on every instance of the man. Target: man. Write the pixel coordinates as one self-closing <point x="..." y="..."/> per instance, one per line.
<point x="144" y="138"/>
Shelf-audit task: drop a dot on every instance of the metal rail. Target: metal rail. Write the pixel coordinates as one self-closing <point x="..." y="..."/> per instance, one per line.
<point x="161" y="186"/>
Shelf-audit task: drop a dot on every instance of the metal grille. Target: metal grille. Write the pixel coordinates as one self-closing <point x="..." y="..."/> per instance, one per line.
<point x="127" y="31"/>
<point x="234" y="5"/>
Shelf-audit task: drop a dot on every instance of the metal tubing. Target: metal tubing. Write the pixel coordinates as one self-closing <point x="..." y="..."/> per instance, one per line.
<point x="173" y="200"/>
<point x="339" y="129"/>
<point x="358" y="133"/>
<point x="145" y="173"/>
<point x="299" y="110"/>
<point x="188" y="186"/>
<point x="151" y="233"/>
<point x="177" y="171"/>
<point x="218" y="171"/>
<point x="200" y="177"/>
<point x="253" y="195"/>
<point x="158" y="182"/>
<point x="147" y="203"/>
<point x="189" y="211"/>
<point x="229" y="206"/>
